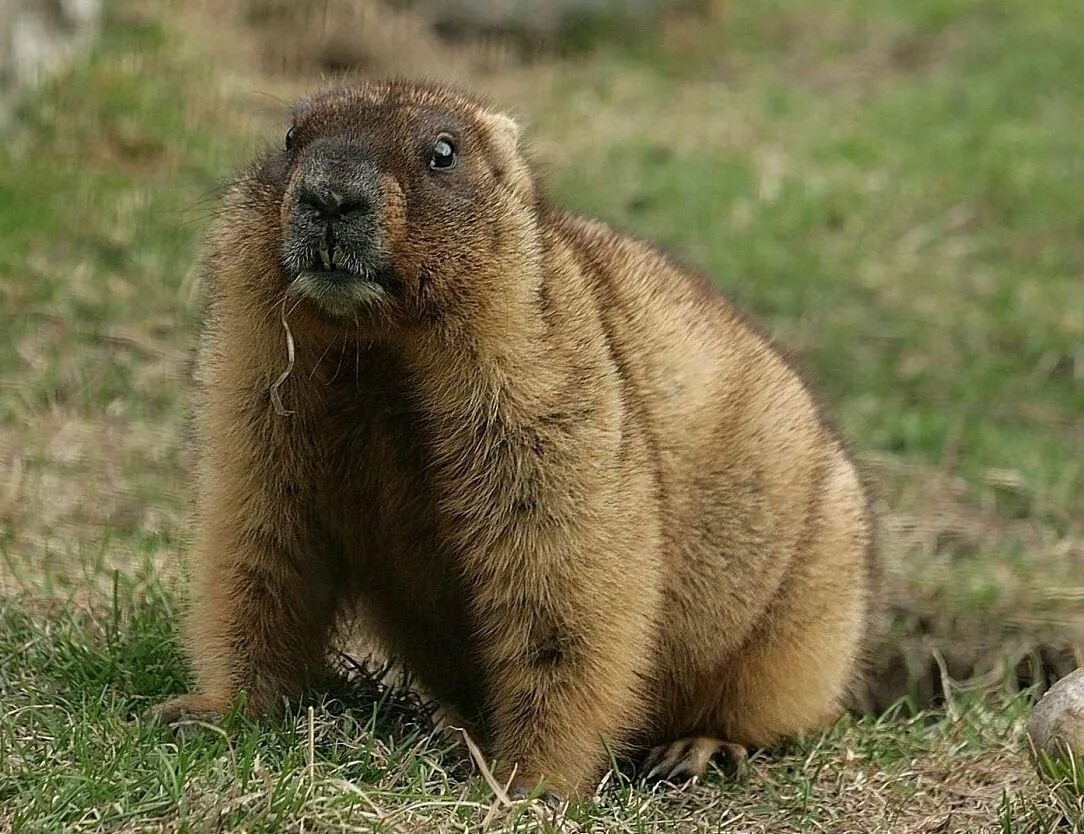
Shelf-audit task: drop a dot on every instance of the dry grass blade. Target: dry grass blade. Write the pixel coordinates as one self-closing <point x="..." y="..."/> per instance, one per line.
<point x="483" y="767"/>
<point x="312" y="746"/>
<point x="276" y="394"/>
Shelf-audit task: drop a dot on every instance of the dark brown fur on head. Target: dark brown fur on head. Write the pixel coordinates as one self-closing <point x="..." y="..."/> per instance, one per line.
<point x="551" y="470"/>
<point x="371" y="231"/>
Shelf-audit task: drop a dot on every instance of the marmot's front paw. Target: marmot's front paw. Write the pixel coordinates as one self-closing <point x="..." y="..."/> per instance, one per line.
<point x="185" y="712"/>
<point x="523" y="788"/>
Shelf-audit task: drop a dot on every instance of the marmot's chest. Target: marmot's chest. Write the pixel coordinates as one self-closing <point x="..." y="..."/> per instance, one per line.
<point x="380" y="510"/>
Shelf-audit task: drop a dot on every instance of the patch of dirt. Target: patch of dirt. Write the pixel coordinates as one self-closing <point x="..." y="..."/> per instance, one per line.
<point x="963" y="612"/>
<point x="843" y="52"/>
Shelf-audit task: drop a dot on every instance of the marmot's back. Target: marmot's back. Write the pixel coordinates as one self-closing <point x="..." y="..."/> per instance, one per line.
<point x="750" y="476"/>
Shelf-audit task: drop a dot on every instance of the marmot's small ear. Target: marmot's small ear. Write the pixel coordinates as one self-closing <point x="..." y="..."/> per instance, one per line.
<point x="505" y="130"/>
<point x="504" y="137"/>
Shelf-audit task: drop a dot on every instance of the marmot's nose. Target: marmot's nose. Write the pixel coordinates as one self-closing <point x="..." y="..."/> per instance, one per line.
<point x="331" y="203"/>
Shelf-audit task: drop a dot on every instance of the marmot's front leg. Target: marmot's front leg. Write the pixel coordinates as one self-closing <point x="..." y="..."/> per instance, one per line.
<point x="261" y="610"/>
<point x="563" y="681"/>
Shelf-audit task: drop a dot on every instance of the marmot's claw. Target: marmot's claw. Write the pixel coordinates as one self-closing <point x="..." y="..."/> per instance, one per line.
<point x="687" y="758"/>
<point x="549" y="797"/>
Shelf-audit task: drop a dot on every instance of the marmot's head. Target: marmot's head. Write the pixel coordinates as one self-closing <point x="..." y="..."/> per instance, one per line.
<point x="382" y="202"/>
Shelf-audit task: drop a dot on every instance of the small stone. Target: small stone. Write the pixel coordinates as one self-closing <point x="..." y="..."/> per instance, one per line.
<point x="1056" y="726"/>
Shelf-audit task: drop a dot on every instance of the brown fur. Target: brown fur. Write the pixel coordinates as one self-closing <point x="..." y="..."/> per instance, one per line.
<point x="557" y="475"/>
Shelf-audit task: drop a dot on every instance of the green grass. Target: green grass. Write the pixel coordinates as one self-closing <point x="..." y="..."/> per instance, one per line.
<point x="891" y="188"/>
<point x="76" y="754"/>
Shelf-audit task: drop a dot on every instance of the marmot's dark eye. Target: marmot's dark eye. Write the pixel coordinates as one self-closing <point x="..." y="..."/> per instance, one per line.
<point x="288" y="142"/>
<point x="443" y="155"/>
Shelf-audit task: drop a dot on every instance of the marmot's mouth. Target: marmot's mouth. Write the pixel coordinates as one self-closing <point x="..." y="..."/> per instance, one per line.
<point x="337" y="276"/>
<point x="341" y="292"/>
<point x="340" y="266"/>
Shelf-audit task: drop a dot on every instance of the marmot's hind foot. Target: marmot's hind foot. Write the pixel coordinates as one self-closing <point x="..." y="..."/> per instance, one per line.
<point x="186" y="713"/>
<point x="688" y="757"/>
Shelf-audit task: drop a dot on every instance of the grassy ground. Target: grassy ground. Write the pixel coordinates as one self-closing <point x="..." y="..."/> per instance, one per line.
<point x="891" y="188"/>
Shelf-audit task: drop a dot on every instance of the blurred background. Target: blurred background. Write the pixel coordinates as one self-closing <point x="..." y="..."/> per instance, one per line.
<point x="892" y="189"/>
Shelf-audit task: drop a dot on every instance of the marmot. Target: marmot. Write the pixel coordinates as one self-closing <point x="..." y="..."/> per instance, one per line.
<point x="560" y="477"/>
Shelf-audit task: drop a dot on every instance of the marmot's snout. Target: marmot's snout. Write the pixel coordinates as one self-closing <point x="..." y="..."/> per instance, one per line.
<point x="334" y="242"/>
